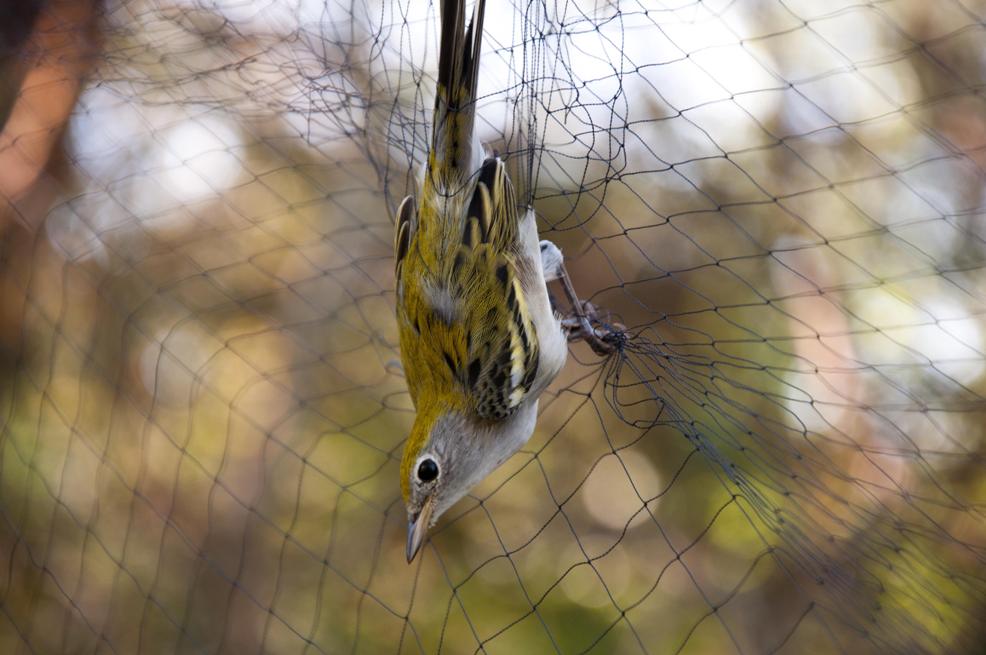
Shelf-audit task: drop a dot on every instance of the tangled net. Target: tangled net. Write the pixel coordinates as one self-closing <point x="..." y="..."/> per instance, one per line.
<point x="201" y="409"/>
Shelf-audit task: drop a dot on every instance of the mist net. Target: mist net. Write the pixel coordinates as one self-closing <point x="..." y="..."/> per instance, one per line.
<point x="201" y="403"/>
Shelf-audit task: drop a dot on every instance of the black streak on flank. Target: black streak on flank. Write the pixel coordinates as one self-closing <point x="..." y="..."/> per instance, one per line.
<point x="531" y="372"/>
<point x="501" y="274"/>
<point x="500" y="379"/>
<point x="476" y="211"/>
<point x="474" y="369"/>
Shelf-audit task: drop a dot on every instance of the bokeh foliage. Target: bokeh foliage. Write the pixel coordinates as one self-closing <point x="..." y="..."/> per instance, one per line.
<point x="202" y="403"/>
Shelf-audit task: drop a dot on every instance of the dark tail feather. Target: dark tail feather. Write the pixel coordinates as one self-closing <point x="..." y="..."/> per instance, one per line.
<point x="458" y="75"/>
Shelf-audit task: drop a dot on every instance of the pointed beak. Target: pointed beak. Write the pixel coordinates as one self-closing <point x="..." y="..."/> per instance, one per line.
<point x="417" y="529"/>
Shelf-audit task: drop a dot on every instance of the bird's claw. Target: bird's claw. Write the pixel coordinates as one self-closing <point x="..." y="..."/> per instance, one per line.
<point x="604" y="338"/>
<point x="583" y="322"/>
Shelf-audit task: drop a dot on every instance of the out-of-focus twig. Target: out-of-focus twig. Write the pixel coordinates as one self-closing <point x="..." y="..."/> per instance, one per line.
<point x="58" y="54"/>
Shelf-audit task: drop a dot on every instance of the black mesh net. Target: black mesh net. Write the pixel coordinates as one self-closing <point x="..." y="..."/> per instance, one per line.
<point x="202" y="407"/>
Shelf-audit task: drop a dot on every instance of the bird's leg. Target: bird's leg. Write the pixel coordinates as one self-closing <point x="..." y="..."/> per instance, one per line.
<point x="577" y="325"/>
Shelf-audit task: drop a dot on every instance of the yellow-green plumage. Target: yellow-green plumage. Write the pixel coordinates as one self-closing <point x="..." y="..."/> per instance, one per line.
<point x="468" y="342"/>
<point x="463" y="306"/>
<point x="479" y="338"/>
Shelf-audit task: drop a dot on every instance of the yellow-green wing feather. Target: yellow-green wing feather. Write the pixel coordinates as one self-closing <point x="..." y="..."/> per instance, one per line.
<point x="502" y="346"/>
<point x="503" y="220"/>
<point x="466" y="316"/>
<point x="403" y="230"/>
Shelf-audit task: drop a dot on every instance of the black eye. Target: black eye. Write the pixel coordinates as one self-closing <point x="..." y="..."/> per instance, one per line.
<point x="427" y="470"/>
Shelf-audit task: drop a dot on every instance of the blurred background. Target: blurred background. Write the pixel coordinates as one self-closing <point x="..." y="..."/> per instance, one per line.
<point x="201" y="402"/>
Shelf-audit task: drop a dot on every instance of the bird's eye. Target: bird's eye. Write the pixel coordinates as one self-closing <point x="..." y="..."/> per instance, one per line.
<point x="427" y="470"/>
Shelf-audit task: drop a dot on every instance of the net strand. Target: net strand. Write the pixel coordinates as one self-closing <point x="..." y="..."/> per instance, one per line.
<point x="203" y="410"/>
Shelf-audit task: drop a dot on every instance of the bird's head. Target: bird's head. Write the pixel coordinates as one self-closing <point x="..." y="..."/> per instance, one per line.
<point x="447" y="453"/>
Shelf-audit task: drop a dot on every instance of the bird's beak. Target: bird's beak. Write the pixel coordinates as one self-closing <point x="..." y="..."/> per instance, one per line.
<point x="417" y="529"/>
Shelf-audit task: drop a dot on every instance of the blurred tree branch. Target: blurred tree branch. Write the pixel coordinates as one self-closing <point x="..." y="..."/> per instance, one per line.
<point x="56" y="56"/>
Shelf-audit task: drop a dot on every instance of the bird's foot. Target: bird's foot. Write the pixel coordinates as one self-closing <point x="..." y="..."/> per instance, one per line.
<point x="583" y="323"/>
<point x="603" y="337"/>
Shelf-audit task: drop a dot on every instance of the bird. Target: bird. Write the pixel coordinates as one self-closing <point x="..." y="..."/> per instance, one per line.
<point x="479" y="337"/>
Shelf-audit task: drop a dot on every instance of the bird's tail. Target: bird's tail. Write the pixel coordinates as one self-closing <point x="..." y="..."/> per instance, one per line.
<point x="455" y="155"/>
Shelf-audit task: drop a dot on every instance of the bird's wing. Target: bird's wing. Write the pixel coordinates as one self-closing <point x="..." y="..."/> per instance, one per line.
<point x="501" y="345"/>
<point x="403" y="232"/>
<point x="500" y="218"/>
<point x="466" y="321"/>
